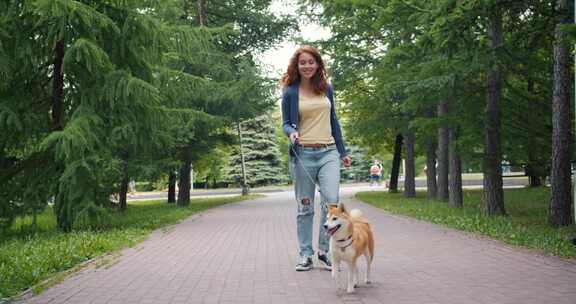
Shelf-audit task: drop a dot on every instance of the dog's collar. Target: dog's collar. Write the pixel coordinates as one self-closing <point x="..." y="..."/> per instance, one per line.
<point x="344" y="240"/>
<point x="349" y="238"/>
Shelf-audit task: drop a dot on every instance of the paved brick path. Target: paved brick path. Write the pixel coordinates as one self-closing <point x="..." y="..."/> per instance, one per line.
<point x="246" y="252"/>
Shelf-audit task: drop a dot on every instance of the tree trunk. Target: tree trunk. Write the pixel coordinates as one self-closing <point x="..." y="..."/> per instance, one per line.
<point x="443" y="143"/>
<point x="184" y="179"/>
<point x="431" y="188"/>
<point x="245" y="190"/>
<point x="560" y="182"/>
<point x="409" y="177"/>
<point x="430" y="169"/>
<point x="123" y="186"/>
<point x="58" y="86"/>
<point x="63" y="215"/>
<point x="393" y="185"/>
<point x="171" y="187"/>
<point x="493" y="192"/>
<point x="534" y="168"/>
<point x="534" y="181"/>
<point x="201" y="17"/>
<point x="455" y="179"/>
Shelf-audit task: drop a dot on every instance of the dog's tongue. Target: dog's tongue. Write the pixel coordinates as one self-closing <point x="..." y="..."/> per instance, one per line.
<point x="331" y="231"/>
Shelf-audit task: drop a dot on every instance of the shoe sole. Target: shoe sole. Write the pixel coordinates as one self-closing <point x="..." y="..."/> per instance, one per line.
<point x="303" y="269"/>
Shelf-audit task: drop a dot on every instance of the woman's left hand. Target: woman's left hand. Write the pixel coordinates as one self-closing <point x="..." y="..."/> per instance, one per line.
<point x="347" y="161"/>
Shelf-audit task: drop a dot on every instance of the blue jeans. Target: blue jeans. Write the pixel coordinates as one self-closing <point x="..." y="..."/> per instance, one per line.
<point x="323" y="167"/>
<point x="374" y="178"/>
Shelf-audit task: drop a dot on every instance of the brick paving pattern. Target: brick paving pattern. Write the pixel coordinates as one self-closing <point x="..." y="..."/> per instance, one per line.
<point x="246" y="253"/>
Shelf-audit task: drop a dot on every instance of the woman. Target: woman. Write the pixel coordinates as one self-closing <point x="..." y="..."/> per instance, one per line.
<point x="309" y="120"/>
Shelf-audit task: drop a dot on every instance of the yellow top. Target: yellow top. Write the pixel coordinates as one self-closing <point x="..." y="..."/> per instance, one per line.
<point x="315" y="120"/>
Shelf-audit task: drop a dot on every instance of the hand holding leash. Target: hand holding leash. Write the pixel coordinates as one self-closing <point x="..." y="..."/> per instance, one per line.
<point x="294" y="137"/>
<point x="347" y="161"/>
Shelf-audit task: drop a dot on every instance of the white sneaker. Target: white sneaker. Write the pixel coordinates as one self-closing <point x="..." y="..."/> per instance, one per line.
<point x="305" y="264"/>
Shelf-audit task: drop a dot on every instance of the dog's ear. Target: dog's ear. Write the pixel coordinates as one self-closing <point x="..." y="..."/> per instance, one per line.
<point x="342" y="208"/>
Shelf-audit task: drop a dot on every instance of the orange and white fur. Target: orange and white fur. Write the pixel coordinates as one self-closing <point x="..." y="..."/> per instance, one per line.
<point x="350" y="237"/>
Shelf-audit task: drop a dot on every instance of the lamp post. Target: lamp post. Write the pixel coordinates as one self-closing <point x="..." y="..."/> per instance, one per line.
<point x="245" y="190"/>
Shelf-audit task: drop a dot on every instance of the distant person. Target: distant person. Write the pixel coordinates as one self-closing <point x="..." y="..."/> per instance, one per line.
<point x="375" y="173"/>
<point x="132" y="187"/>
<point x="309" y="120"/>
<point x="506" y="167"/>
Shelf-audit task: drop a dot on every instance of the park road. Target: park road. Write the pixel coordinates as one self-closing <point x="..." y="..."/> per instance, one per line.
<point x="246" y="252"/>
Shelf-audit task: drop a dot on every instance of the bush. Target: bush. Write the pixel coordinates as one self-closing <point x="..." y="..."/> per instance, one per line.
<point x="93" y="218"/>
<point x="144" y="187"/>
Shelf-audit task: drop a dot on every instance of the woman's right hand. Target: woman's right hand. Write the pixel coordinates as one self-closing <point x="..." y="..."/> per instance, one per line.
<point x="294" y="137"/>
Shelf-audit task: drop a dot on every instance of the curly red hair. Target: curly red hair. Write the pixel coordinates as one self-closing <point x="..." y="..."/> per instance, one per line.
<point x="319" y="80"/>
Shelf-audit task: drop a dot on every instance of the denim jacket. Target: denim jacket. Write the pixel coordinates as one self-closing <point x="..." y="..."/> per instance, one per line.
<point x="290" y="115"/>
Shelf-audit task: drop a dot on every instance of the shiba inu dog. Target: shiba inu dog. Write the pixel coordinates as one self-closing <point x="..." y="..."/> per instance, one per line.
<point x="350" y="237"/>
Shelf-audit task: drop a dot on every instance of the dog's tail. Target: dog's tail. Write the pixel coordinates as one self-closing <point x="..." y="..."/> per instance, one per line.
<point x="356" y="214"/>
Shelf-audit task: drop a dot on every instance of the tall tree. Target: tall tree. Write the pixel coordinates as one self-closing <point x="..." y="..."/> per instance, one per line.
<point x="430" y="149"/>
<point x="455" y="180"/>
<point x="105" y="107"/>
<point x="397" y="158"/>
<point x="201" y="13"/>
<point x="171" y="187"/>
<point x="409" y="178"/>
<point x="561" y="195"/>
<point x="91" y="91"/>
<point x="96" y="92"/>
<point x="400" y="54"/>
<point x="245" y="93"/>
<point x="493" y="194"/>
<point x="431" y="188"/>
<point x="443" y="145"/>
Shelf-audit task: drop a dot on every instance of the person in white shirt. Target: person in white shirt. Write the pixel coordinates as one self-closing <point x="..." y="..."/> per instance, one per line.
<point x="375" y="173"/>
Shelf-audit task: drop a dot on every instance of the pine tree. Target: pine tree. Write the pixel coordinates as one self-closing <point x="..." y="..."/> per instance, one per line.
<point x="559" y="210"/>
<point x="262" y="155"/>
<point x="236" y="92"/>
<point x="91" y="72"/>
<point x="93" y="93"/>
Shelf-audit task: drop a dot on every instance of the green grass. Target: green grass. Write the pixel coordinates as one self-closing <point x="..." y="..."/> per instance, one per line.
<point x="27" y="258"/>
<point x="525" y="226"/>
